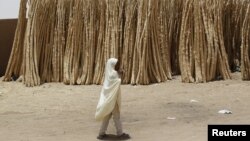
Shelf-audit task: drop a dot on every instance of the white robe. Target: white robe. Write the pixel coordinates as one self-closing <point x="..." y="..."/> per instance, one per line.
<point x="111" y="92"/>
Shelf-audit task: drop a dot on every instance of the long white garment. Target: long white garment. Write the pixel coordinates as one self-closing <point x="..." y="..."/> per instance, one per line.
<point x="116" y="117"/>
<point x="111" y="92"/>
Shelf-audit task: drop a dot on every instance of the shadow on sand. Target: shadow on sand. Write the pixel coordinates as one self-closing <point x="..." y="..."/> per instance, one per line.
<point x="111" y="137"/>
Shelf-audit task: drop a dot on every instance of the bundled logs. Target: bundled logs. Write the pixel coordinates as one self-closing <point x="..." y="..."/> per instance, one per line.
<point x="234" y="14"/>
<point x="60" y="37"/>
<point x="245" y="46"/>
<point x="16" y="58"/>
<point x="70" y="40"/>
<point x="236" y="35"/>
<point x="151" y="62"/>
<point x="176" y="10"/>
<point x="202" y="52"/>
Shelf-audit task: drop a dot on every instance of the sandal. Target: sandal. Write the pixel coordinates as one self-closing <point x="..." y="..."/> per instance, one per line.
<point x="124" y="135"/>
<point x="100" y="137"/>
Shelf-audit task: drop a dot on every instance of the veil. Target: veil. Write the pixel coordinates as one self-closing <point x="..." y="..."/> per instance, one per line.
<point x="111" y="92"/>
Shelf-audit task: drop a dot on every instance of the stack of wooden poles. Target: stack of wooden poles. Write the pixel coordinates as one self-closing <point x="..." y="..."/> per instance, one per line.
<point x="202" y="53"/>
<point x="70" y="40"/>
<point x="245" y="46"/>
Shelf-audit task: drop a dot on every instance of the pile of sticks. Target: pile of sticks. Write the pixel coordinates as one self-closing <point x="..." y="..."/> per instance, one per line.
<point x="70" y="40"/>
<point x="202" y="52"/>
<point x="233" y="15"/>
<point x="245" y="47"/>
<point x="16" y="58"/>
<point x="236" y="35"/>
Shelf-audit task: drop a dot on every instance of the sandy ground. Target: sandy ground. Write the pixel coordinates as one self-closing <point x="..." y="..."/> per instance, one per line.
<point x="56" y="112"/>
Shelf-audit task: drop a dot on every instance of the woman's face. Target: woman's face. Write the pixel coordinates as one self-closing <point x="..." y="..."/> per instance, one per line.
<point x="117" y="65"/>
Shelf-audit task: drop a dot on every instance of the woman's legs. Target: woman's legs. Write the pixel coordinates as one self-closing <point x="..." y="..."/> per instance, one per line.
<point x="117" y="121"/>
<point x="116" y="117"/>
<point x="105" y="124"/>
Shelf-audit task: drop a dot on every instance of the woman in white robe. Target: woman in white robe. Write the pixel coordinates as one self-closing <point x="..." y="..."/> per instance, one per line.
<point x="110" y="100"/>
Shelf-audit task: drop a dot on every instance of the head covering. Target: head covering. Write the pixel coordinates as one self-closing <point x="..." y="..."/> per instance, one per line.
<point x="110" y="72"/>
<point x="111" y="92"/>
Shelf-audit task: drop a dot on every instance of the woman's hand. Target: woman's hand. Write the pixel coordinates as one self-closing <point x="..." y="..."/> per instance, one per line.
<point x="121" y="72"/>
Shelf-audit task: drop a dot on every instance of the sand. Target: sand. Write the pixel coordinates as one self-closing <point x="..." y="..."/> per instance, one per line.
<point x="171" y="110"/>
